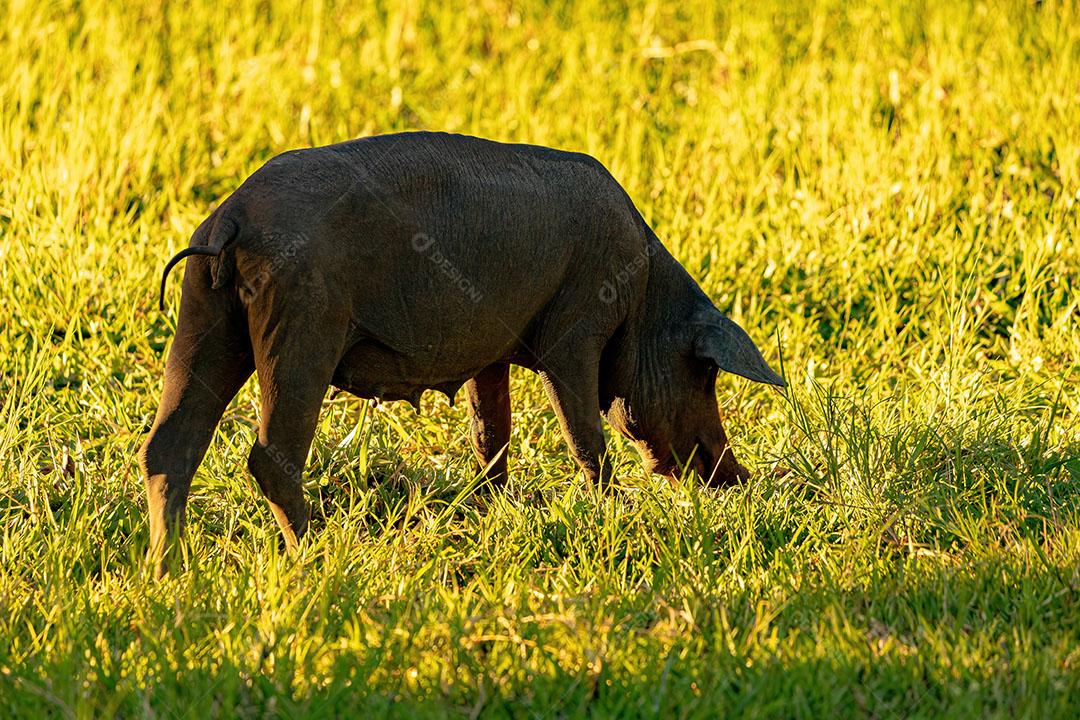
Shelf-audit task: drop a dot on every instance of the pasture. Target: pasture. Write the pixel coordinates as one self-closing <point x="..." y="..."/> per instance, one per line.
<point x="885" y="195"/>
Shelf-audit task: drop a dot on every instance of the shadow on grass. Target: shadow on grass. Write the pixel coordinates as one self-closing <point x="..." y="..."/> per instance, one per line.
<point x="976" y="640"/>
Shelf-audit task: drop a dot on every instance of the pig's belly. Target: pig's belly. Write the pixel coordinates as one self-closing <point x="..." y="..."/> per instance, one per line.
<point x="370" y="370"/>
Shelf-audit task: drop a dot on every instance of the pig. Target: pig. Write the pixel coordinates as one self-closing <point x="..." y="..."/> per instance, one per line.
<point x="390" y="265"/>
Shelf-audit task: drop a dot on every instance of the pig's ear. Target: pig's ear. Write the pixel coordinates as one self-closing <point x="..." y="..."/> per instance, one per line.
<point x="727" y="345"/>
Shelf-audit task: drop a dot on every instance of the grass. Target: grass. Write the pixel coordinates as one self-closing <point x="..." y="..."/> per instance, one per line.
<point x="886" y="191"/>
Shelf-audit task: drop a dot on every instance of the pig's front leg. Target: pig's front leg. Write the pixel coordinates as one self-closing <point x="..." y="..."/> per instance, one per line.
<point x="574" y="393"/>
<point x="488" y="398"/>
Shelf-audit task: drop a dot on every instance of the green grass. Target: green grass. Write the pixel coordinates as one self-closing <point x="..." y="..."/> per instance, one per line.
<point x="889" y="192"/>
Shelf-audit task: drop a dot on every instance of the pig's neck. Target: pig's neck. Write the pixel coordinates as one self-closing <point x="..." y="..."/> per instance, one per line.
<point x="638" y="371"/>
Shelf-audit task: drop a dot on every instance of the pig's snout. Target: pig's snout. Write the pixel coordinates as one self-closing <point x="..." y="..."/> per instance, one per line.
<point x="715" y="463"/>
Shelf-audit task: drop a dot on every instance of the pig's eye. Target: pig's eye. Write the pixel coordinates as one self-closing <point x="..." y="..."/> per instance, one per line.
<point x="703" y="371"/>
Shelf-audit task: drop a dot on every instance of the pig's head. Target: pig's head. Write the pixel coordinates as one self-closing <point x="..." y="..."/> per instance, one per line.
<point x="669" y="409"/>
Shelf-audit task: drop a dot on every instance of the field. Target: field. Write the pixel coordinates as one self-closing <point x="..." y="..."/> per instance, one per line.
<point x="885" y="195"/>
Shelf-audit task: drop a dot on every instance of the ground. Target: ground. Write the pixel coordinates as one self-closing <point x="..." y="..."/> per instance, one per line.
<point x="886" y="195"/>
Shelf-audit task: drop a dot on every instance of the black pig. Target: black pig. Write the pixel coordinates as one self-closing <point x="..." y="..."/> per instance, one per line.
<point x="390" y="265"/>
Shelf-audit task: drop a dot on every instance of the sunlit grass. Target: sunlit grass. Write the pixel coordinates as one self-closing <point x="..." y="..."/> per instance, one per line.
<point x="887" y="194"/>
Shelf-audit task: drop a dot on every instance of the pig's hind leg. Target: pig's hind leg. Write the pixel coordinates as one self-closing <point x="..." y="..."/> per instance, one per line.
<point x="488" y="398"/>
<point x="209" y="361"/>
<point x="295" y="356"/>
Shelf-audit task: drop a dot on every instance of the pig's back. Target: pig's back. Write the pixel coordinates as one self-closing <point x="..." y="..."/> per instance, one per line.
<point x="450" y="248"/>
